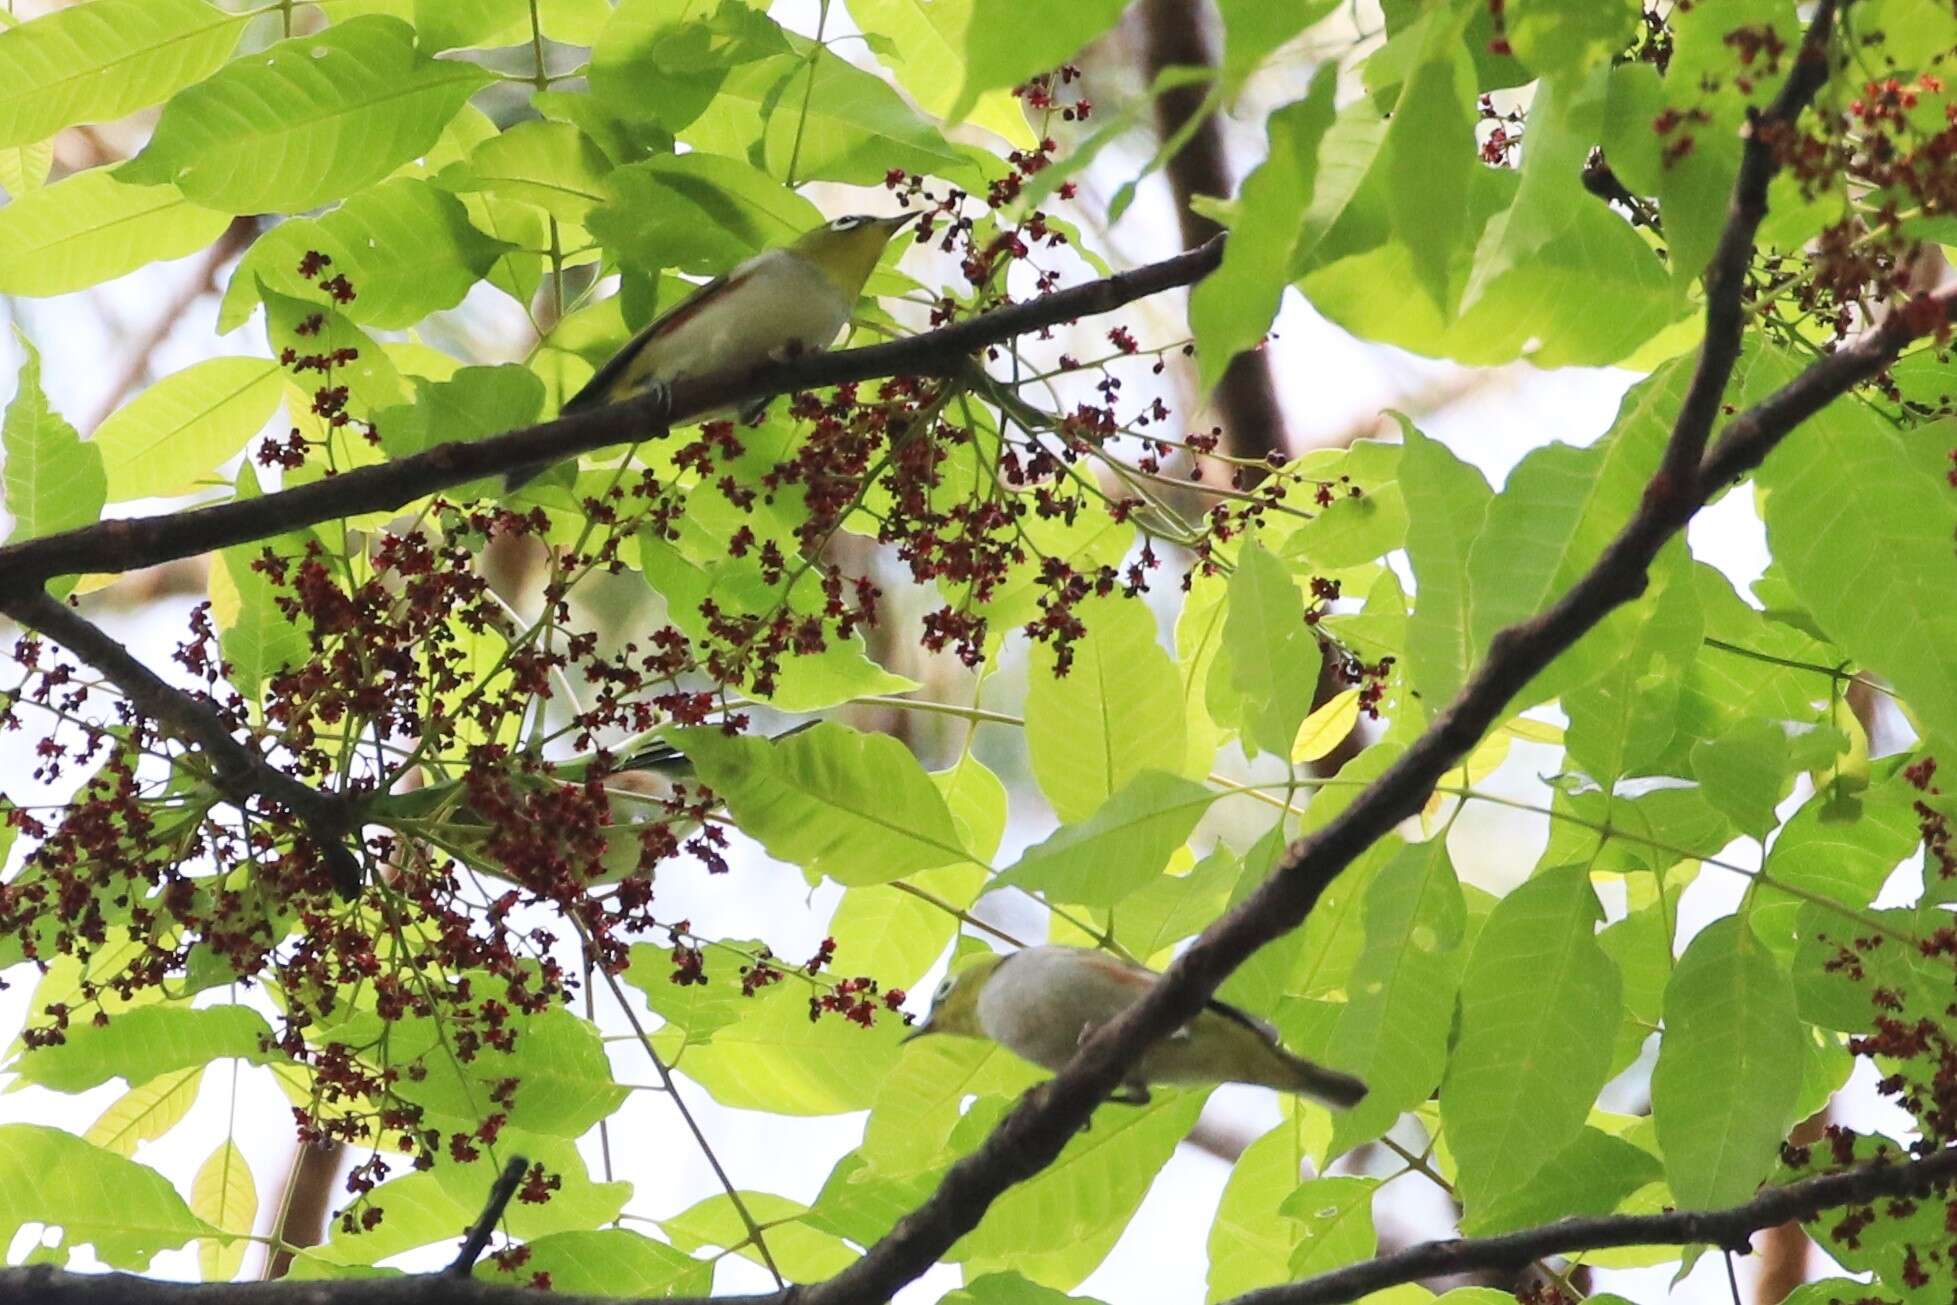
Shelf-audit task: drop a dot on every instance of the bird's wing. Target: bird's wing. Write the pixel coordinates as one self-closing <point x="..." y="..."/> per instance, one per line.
<point x="617" y="378"/>
<point x="1139" y="978"/>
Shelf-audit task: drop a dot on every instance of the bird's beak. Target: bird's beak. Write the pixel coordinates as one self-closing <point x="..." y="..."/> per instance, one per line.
<point x="916" y="1033"/>
<point x="896" y="224"/>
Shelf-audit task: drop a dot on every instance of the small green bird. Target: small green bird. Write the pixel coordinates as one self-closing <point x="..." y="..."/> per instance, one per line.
<point x="778" y="304"/>
<point x="1043" y="1002"/>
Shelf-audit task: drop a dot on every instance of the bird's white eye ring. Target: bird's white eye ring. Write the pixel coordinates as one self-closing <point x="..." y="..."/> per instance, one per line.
<point x="845" y="223"/>
<point x="944" y="990"/>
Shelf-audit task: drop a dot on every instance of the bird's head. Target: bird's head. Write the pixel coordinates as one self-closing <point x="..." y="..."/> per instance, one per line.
<point x="847" y="248"/>
<point x="954" y="1006"/>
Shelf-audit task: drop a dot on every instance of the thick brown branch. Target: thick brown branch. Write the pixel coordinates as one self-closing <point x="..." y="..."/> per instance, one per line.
<point x="238" y="773"/>
<point x="1032" y="1135"/>
<point x="126" y="545"/>
<point x="1729" y="1228"/>
<point x="43" y="1284"/>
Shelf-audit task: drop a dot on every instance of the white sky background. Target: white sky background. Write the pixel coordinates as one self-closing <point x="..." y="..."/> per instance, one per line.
<point x="1329" y="383"/>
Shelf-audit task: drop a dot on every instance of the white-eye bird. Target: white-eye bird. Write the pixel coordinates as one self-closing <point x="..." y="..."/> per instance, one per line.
<point x="1041" y="1003"/>
<point x="779" y="304"/>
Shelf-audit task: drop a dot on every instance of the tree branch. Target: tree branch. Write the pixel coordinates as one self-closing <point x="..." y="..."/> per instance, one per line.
<point x="126" y="545"/>
<point x="1729" y="1228"/>
<point x="1033" y="1133"/>
<point x="238" y="772"/>
<point x="44" y="1284"/>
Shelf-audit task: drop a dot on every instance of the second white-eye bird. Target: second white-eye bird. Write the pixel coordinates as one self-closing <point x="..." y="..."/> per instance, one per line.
<point x="778" y="304"/>
<point x="1041" y="1003"/>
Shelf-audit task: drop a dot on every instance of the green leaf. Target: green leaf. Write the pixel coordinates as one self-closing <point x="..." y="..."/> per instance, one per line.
<point x="473" y="404"/>
<point x="922" y="1099"/>
<point x="1622" y="721"/>
<point x="53" y="480"/>
<point x="1562" y="36"/>
<point x="1429" y="159"/>
<point x="551" y="165"/>
<point x="1861" y="519"/>
<point x="1558" y="510"/>
<point x="100" y="61"/>
<point x="1843" y="850"/>
<point x="1009" y="41"/>
<point x="92" y="227"/>
<point x="1447" y="501"/>
<point x="310" y="329"/>
<point x="1232" y="308"/>
<point x="1263" y="681"/>
<point x="1745" y="774"/>
<point x="451" y="24"/>
<point x="176" y="432"/>
<point x="1696" y="184"/>
<point x="1393" y="1030"/>
<point x="1009" y="1288"/>
<point x="1250" y="1241"/>
<point x="1335" y="1218"/>
<point x="145" y="1041"/>
<point x="699" y="213"/>
<point x="1253" y="30"/>
<point x="146" y="1112"/>
<point x="1172" y="907"/>
<point x="855" y="807"/>
<point x="696" y="1010"/>
<point x="663" y="63"/>
<point x="1116" y="713"/>
<point x="406" y="246"/>
<point x="854" y="128"/>
<point x="1539" y="1011"/>
<point x="801" y="1252"/>
<point x="607" y="1262"/>
<point x="1056" y="1227"/>
<point x="1729" y="1067"/>
<point x="1117" y="850"/>
<point x="896" y="936"/>
<point x="127" y="1211"/>
<point x="774" y="1057"/>
<point x="25" y="167"/>
<point x="1550" y="220"/>
<point x="923" y="46"/>
<point x="257" y="637"/>
<point x="435" y="1205"/>
<point x="1590" y="1176"/>
<point x="307" y="121"/>
<point x="223" y="1195"/>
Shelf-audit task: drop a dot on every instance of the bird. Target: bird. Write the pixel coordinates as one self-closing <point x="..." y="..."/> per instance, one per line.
<point x="781" y="303"/>
<point x="1042" y="1002"/>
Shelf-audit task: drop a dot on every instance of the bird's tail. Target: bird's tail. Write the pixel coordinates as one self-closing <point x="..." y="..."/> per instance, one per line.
<point x="1321" y="1084"/>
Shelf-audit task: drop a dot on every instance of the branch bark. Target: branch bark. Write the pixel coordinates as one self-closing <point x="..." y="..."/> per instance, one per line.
<point x="129" y="544"/>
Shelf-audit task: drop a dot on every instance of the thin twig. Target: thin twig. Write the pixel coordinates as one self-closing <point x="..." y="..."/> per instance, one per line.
<point x="492" y="1214"/>
<point x="748" y="1220"/>
<point x="238" y="773"/>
